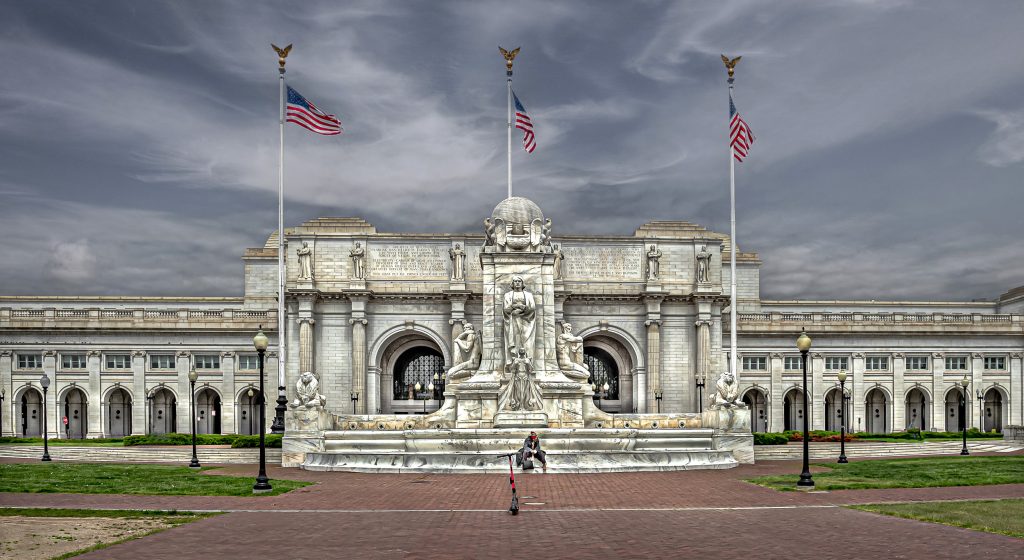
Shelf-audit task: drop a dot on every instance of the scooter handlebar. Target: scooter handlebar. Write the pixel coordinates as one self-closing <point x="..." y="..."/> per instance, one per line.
<point x="507" y="455"/>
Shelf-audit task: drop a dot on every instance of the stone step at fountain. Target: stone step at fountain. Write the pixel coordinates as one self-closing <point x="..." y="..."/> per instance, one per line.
<point x="581" y="450"/>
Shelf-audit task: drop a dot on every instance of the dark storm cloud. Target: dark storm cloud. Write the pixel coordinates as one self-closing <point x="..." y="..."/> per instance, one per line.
<point x="138" y="141"/>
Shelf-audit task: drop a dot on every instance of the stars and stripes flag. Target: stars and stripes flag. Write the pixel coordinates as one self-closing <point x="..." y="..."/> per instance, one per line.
<point x="300" y="111"/>
<point x="524" y="123"/>
<point x="740" y="135"/>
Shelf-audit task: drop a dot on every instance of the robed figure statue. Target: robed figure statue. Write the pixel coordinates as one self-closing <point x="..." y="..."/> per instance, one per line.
<point x="520" y="314"/>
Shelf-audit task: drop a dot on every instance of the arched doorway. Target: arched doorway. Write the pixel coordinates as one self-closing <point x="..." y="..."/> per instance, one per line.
<point x="917" y="410"/>
<point x="621" y="349"/>
<point x="877" y="412"/>
<point x="954" y="417"/>
<point x="31" y="413"/>
<point x="793" y="415"/>
<point x="603" y="370"/>
<point x="207" y="412"/>
<point x="835" y="412"/>
<point x="248" y="412"/>
<point x="163" y="412"/>
<point x="75" y="410"/>
<point x="993" y="419"/>
<point x="119" y="413"/>
<point x="422" y="365"/>
<point x="757" y="402"/>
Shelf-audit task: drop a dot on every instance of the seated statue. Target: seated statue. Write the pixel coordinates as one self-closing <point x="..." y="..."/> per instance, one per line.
<point x="569" y="348"/>
<point x="307" y="392"/>
<point x="467" y="354"/>
<point x="726" y="393"/>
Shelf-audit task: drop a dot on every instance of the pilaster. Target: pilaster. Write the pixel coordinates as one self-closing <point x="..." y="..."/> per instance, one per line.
<point x="1016" y="389"/>
<point x="899" y="392"/>
<point x="183" y="414"/>
<point x="977" y="383"/>
<point x="938" y="419"/>
<point x="7" y="425"/>
<point x="53" y="423"/>
<point x="859" y="389"/>
<point x="227" y="399"/>
<point x="776" y="406"/>
<point x="812" y="407"/>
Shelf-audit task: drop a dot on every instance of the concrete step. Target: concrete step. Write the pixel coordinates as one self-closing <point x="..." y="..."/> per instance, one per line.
<point x="825" y="450"/>
<point x="140" y="454"/>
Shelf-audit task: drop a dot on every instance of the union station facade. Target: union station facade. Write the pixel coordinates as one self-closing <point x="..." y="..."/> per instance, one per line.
<point x="373" y="316"/>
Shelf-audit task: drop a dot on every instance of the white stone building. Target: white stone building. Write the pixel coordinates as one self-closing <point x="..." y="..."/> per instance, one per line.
<point x="654" y="323"/>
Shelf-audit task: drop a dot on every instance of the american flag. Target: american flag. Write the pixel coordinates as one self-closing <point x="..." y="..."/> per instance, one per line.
<point x="303" y="113"/>
<point x="524" y="123"/>
<point x="740" y="135"/>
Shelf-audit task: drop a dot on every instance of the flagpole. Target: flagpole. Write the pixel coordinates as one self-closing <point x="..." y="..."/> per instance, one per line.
<point x="733" y="248"/>
<point x="509" y="57"/>
<point x="277" y="426"/>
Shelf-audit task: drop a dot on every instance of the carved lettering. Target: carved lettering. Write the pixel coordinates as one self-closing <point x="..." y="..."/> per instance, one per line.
<point x="603" y="263"/>
<point x="408" y="261"/>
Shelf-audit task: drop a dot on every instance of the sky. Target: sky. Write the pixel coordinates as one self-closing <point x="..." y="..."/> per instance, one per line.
<point x="139" y="140"/>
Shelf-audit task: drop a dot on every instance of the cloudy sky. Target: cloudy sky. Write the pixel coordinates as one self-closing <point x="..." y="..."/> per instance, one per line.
<point x="138" y="140"/>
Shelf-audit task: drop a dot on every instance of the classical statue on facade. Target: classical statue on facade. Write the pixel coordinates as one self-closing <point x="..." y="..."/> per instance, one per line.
<point x="467" y="353"/>
<point x="558" y="261"/>
<point x="653" y="265"/>
<point x="305" y="254"/>
<point x="488" y="232"/>
<point x="569" y="348"/>
<point x="307" y="392"/>
<point x="521" y="393"/>
<point x="358" y="254"/>
<point x="545" y="232"/>
<point x="703" y="265"/>
<point x="458" y="257"/>
<point x="520" y="313"/>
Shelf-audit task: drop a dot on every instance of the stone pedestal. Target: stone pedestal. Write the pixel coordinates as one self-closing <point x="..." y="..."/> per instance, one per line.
<point x="520" y="420"/>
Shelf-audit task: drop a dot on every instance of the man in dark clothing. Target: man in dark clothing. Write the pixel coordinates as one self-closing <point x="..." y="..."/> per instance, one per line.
<point x="531" y="448"/>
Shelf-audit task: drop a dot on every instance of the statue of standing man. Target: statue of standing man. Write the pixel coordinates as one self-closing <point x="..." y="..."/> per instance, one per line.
<point x="703" y="265"/>
<point x="653" y="266"/>
<point x="305" y="254"/>
<point x="358" y="254"/>
<point x="520" y="313"/>
<point x="458" y="257"/>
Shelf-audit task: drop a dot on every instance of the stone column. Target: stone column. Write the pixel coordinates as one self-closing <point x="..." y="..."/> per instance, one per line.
<point x="306" y="344"/>
<point x="640" y="390"/>
<point x="776" y="406"/>
<point x="857" y="395"/>
<point x="98" y="423"/>
<point x="387" y="383"/>
<point x="359" y="361"/>
<point x="7" y="427"/>
<point x="899" y="392"/>
<point x="270" y="365"/>
<point x="938" y="419"/>
<point x="977" y="382"/>
<point x="653" y="363"/>
<point x="626" y="391"/>
<point x="703" y="361"/>
<point x="183" y="412"/>
<point x="815" y="372"/>
<point x="373" y="392"/>
<point x="227" y="389"/>
<point x="1016" y="389"/>
<point x="53" y="423"/>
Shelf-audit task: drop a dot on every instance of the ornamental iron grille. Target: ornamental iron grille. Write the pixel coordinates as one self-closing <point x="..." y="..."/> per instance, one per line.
<point x="602" y="370"/>
<point x="417" y="365"/>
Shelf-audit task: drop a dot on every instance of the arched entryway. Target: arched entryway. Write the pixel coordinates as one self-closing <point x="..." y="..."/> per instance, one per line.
<point x="603" y="371"/>
<point x="954" y="414"/>
<point x="74" y="407"/>
<point x="625" y="354"/>
<point x="757" y="402"/>
<point x="207" y="412"/>
<point x="163" y="412"/>
<point x="119" y="413"/>
<point x="876" y="408"/>
<point x="993" y="413"/>
<point x="835" y="411"/>
<point x="248" y="412"/>
<point x="917" y="410"/>
<point x="420" y="365"/>
<point x="793" y="415"/>
<point x="31" y="407"/>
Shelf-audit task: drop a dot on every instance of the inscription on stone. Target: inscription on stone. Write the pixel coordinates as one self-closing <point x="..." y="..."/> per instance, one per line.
<point x="603" y="263"/>
<point x="408" y="261"/>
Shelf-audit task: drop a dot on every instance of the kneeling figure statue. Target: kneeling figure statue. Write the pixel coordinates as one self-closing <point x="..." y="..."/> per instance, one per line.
<point x="307" y="392"/>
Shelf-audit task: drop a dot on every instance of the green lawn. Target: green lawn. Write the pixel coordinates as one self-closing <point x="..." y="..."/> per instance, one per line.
<point x="1005" y="517"/>
<point x="908" y="473"/>
<point x="87" y="478"/>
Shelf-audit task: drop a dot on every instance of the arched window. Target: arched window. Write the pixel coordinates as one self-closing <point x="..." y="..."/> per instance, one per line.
<point x="602" y="370"/>
<point x="417" y="365"/>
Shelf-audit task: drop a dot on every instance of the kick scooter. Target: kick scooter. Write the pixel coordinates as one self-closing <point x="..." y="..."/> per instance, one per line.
<point x="514" y="508"/>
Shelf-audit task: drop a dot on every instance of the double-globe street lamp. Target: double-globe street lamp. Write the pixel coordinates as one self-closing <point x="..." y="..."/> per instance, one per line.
<point x="842" y="416"/>
<point x="965" y="382"/>
<point x="262" y="485"/>
<point x="192" y="377"/>
<point x="806" y="482"/>
<point x="44" y="381"/>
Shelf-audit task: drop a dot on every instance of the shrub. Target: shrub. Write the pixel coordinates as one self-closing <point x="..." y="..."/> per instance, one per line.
<point x="763" y="438"/>
<point x="247" y="442"/>
<point x="181" y="439"/>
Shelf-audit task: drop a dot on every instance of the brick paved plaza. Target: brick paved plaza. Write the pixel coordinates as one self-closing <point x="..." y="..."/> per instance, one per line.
<point x="712" y="514"/>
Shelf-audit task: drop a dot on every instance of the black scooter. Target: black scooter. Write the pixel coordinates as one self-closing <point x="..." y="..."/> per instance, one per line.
<point x="514" y="508"/>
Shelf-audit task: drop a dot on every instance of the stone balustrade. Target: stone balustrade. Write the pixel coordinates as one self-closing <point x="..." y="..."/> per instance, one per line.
<point x="93" y="317"/>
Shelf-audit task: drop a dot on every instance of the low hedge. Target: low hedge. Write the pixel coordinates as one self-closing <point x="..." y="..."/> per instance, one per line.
<point x="39" y="440"/>
<point x="768" y="438"/>
<point x="272" y="441"/>
<point x="911" y="434"/>
<point x="181" y="439"/>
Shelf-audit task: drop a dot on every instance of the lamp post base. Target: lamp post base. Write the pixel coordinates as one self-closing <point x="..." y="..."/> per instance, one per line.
<point x="262" y="485"/>
<point x="277" y="426"/>
<point x="805" y="483"/>
<point x="194" y="464"/>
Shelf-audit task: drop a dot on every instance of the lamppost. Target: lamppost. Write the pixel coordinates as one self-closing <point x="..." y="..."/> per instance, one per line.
<point x="597" y="394"/>
<point x="806" y="482"/>
<point x="3" y="393"/>
<point x="250" y="393"/>
<point x="963" y="412"/>
<point x="700" y="392"/>
<point x="192" y="376"/>
<point x="44" y="381"/>
<point x="657" y="397"/>
<point x="417" y="388"/>
<point x="262" y="482"/>
<point x="842" y="416"/>
<point x="981" y="409"/>
<point x="430" y="395"/>
<point x="354" y="395"/>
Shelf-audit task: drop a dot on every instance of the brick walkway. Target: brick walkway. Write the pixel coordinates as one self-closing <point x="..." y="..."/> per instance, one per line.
<point x="662" y="515"/>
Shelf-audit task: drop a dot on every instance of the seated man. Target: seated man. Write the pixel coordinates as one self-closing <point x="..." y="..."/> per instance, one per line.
<point x="531" y="448"/>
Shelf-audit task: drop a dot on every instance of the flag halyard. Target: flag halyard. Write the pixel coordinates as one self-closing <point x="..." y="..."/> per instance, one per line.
<point x="302" y="112"/>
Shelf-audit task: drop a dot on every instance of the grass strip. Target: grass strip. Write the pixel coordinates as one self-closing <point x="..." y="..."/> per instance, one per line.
<point x="1004" y="517"/>
<point x="154" y="480"/>
<point x="921" y="472"/>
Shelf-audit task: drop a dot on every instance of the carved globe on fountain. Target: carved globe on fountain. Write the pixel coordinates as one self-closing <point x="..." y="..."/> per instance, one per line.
<point x="518" y="224"/>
